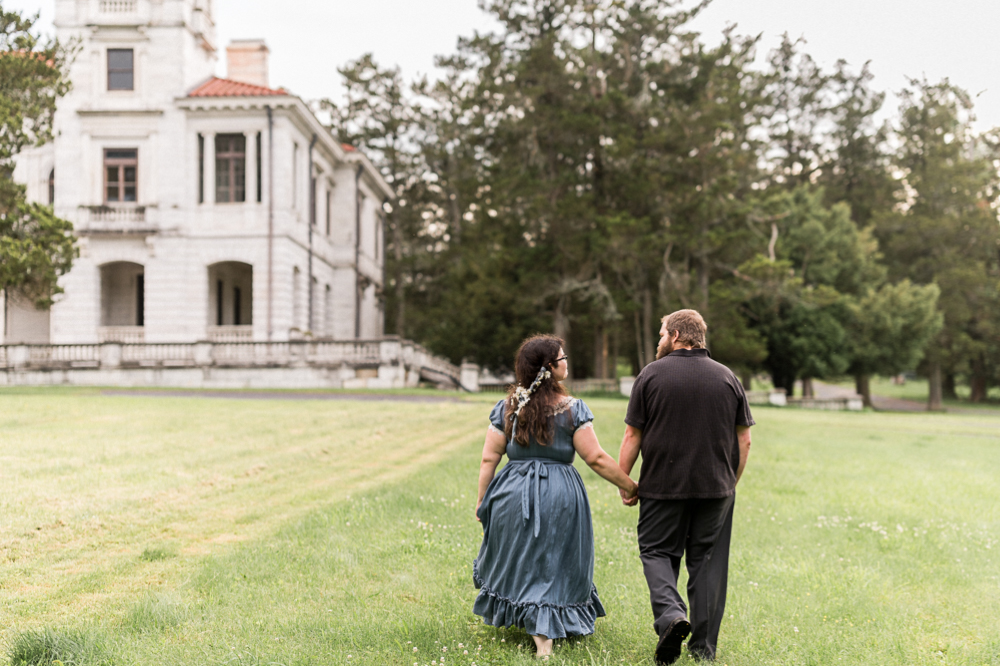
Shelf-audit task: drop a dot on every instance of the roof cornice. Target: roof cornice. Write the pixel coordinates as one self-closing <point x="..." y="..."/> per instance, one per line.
<point x="299" y="113"/>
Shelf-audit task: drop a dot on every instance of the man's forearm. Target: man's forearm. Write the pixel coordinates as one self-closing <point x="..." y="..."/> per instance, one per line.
<point x="629" y="452"/>
<point x="743" y="437"/>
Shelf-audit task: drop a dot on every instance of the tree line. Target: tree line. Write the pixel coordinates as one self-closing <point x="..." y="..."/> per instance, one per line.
<point x="593" y="165"/>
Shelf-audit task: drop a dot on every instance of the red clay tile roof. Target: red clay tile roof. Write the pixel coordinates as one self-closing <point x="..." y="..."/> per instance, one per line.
<point x="348" y="148"/>
<point x="216" y="87"/>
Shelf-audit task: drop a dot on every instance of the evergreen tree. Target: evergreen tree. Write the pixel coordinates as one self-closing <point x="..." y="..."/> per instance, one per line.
<point x="944" y="230"/>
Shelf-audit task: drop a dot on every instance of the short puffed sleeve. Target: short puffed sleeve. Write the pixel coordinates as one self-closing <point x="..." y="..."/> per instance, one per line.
<point x="582" y="416"/>
<point x="496" y="416"/>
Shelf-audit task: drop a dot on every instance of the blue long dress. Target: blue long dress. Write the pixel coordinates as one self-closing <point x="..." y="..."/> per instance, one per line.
<point x="535" y="568"/>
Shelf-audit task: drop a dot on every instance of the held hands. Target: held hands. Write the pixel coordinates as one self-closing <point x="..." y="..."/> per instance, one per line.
<point x="630" y="497"/>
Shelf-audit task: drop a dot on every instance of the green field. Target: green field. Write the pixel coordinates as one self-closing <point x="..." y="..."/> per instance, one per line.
<point x="211" y="531"/>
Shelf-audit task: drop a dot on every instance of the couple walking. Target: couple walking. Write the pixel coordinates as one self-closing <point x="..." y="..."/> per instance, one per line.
<point x="689" y="418"/>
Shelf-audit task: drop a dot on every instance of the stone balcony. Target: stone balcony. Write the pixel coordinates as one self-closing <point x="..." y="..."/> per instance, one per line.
<point x="117" y="219"/>
<point x="118" y="12"/>
<point x="230" y="333"/>
<point x="122" y="334"/>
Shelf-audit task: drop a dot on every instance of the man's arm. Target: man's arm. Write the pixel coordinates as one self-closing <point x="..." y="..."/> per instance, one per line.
<point x="627" y="456"/>
<point x="743" y="436"/>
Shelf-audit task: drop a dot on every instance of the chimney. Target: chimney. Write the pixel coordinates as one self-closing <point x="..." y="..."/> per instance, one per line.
<point x="246" y="61"/>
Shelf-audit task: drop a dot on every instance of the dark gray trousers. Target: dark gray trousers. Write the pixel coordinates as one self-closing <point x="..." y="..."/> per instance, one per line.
<point x="700" y="530"/>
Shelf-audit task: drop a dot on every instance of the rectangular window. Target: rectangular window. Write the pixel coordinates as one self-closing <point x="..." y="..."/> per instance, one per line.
<point x="201" y="168"/>
<point x="230" y="168"/>
<point x="328" y="197"/>
<point x="121" y="69"/>
<point x="120" y="171"/>
<point x="260" y="171"/>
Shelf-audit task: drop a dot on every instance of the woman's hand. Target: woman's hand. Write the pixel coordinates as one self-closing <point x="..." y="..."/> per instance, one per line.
<point x="630" y="497"/>
<point x="476" y="514"/>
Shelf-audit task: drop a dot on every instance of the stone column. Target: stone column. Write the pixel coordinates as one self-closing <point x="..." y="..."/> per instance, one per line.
<point x="17" y="356"/>
<point x="111" y="355"/>
<point x="209" y="167"/>
<point x="470" y="377"/>
<point x="251" y="167"/>
<point x="203" y="354"/>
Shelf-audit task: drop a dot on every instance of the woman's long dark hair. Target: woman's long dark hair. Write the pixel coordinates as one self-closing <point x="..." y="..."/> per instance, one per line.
<point x="535" y="353"/>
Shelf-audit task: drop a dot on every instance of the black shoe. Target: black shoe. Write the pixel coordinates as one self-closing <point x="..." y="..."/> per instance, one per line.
<point x="669" y="647"/>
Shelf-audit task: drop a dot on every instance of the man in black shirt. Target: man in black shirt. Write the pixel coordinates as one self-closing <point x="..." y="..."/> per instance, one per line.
<point x="689" y="417"/>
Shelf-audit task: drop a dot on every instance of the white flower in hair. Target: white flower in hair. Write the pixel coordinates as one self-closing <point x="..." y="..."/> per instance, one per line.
<point x="523" y="395"/>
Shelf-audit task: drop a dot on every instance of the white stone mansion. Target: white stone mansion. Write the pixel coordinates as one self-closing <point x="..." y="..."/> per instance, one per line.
<point x="207" y="209"/>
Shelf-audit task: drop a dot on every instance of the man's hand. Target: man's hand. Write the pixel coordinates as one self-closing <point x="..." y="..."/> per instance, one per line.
<point x="626" y="459"/>
<point x="630" y="497"/>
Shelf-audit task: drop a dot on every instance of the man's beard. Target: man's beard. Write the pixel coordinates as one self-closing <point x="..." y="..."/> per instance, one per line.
<point x="664" y="348"/>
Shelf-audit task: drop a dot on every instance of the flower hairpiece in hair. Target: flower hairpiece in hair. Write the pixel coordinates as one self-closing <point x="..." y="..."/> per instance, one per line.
<point x="523" y="395"/>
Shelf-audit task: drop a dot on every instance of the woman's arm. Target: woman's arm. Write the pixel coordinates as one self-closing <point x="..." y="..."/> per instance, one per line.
<point x="586" y="444"/>
<point x="493" y="450"/>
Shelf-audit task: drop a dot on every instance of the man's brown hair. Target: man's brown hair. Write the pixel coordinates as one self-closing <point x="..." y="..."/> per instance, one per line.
<point x="690" y="326"/>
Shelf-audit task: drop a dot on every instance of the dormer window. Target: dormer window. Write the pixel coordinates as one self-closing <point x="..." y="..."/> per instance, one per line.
<point x="121" y="69"/>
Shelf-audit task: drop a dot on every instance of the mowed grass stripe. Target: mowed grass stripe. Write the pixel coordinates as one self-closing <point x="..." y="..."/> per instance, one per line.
<point x="90" y="487"/>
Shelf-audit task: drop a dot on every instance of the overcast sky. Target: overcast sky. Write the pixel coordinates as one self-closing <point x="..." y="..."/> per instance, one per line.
<point x="902" y="38"/>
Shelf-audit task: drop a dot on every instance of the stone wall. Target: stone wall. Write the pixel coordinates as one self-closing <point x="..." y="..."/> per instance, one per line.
<point x="355" y="364"/>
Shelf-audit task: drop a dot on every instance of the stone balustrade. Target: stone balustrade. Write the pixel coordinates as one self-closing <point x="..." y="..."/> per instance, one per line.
<point x="388" y="362"/>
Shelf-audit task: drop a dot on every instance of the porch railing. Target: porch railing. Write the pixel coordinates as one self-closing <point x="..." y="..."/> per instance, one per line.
<point x="387" y="359"/>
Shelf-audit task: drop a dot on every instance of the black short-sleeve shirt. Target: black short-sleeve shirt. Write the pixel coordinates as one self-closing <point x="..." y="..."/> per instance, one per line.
<point x="687" y="407"/>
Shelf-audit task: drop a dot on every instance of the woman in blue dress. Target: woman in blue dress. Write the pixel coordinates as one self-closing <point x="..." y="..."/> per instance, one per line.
<point x="535" y="568"/>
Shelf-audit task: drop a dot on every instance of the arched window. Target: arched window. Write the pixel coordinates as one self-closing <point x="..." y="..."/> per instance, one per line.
<point x="52" y="187"/>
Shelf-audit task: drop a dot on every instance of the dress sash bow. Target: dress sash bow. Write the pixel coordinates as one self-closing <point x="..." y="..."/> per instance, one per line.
<point x="535" y="470"/>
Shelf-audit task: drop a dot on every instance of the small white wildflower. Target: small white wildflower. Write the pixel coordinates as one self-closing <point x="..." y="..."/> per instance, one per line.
<point x="414" y="649"/>
<point x="795" y="629"/>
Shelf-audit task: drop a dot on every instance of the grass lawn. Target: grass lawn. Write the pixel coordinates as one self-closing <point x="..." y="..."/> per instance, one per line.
<point x="177" y="530"/>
